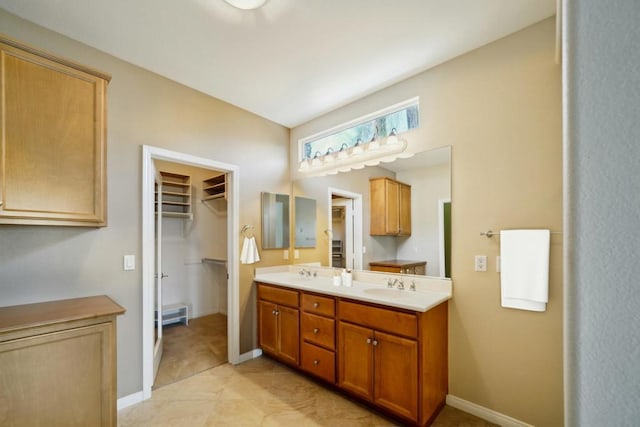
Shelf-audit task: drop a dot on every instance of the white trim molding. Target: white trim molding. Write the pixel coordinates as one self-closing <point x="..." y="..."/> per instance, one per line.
<point x="484" y="413"/>
<point x="130" y="400"/>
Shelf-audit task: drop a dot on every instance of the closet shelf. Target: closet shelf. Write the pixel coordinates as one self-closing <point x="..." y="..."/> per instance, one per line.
<point x="176" y="196"/>
<point x="214" y="188"/>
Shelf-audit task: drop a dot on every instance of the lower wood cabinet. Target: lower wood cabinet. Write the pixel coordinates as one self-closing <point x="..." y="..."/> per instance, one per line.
<point x="393" y="359"/>
<point x="279" y="323"/>
<point x="58" y="363"/>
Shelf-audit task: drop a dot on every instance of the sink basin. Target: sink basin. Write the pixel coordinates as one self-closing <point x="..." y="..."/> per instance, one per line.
<point x="385" y="292"/>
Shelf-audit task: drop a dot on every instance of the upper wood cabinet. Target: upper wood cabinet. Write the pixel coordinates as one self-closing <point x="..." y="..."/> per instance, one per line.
<point x="53" y="130"/>
<point x="390" y="207"/>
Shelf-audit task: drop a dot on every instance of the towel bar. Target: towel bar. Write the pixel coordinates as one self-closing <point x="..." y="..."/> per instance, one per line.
<point x="497" y="233"/>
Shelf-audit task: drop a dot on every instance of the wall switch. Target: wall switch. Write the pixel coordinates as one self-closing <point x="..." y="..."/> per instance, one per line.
<point x="296" y="254"/>
<point x="364" y="249"/>
<point x="129" y="262"/>
<point x="481" y="263"/>
<point x="285" y="254"/>
<point x="498" y="264"/>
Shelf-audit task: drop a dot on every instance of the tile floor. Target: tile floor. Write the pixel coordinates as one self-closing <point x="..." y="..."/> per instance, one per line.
<point x="191" y="349"/>
<point x="260" y="392"/>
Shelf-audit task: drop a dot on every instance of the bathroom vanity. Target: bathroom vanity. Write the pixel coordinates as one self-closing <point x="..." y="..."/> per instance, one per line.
<point x="384" y="346"/>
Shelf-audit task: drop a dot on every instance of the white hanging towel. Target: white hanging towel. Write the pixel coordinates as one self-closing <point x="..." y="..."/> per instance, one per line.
<point x="249" y="253"/>
<point x="524" y="269"/>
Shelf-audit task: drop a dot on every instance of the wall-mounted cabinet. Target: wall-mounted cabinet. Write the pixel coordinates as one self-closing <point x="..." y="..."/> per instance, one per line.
<point x="214" y="188"/>
<point x="176" y="196"/>
<point x="390" y="207"/>
<point x="53" y="162"/>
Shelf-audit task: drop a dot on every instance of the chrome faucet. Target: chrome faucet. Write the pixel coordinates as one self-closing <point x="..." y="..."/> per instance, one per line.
<point x="304" y="272"/>
<point x="400" y="284"/>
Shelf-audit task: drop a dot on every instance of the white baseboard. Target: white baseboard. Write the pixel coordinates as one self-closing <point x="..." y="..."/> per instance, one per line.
<point x="484" y="413"/>
<point x="250" y="355"/>
<point x="129" y="400"/>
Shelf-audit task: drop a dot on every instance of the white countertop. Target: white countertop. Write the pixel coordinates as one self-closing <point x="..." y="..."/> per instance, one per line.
<point x="366" y="287"/>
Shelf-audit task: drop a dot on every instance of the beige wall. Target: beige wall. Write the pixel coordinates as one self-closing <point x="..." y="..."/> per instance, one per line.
<point x="499" y="107"/>
<point x="46" y="263"/>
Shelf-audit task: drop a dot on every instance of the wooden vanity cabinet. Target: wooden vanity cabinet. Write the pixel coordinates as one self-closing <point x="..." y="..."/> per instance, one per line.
<point x="394" y="358"/>
<point x="58" y="363"/>
<point x="318" y="336"/>
<point x="279" y="323"/>
<point x="53" y="130"/>
<point x="390" y="207"/>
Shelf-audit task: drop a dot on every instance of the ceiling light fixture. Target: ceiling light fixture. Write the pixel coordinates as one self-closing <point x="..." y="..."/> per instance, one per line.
<point x="246" y="4"/>
<point x="356" y="157"/>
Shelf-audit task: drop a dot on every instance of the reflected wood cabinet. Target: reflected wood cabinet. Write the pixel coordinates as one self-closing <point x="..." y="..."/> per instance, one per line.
<point x="58" y="363"/>
<point x="391" y="358"/>
<point x="53" y="130"/>
<point x="390" y="207"/>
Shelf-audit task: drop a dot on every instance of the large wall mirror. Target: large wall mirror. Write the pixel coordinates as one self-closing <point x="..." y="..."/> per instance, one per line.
<point x="305" y="219"/>
<point x="275" y="221"/>
<point x="343" y="206"/>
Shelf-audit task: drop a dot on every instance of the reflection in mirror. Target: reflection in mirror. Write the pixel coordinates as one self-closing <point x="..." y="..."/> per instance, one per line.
<point x="275" y="221"/>
<point x="305" y="217"/>
<point x="429" y="175"/>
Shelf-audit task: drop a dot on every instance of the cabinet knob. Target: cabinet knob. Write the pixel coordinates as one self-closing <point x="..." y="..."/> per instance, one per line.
<point x="273" y="312"/>
<point x="375" y="342"/>
<point x="276" y="312"/>
<point x="316" y="330"/>
<point x="316" y="362"/>
<point x="368" y="340"/>
<point x="316" y="304"/>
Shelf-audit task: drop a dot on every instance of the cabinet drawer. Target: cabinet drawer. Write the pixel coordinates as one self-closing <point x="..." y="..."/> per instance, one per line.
<point x="317" y="304"/>
<point x="318" y="330"/>
<point x="382" y="319"/>
<point x="319" y="362"/>
<point x="278" y="295"/>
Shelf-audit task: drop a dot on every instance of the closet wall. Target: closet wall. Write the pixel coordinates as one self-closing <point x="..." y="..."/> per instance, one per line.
<point x="193" y="251"/>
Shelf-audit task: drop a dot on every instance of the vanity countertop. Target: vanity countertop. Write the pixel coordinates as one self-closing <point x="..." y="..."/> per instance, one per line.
<point x="367" y="286"/>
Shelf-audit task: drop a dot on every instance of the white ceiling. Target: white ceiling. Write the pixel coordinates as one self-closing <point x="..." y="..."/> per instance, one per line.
<point x="291" y="60"/>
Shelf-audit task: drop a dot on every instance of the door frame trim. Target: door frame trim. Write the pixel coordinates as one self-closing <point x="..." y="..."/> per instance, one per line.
<point x="357" y="223"/>
<point x="149" y="154"/>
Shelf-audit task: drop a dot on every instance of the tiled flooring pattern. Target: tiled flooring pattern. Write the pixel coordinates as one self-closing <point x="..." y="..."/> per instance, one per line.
<point x="260" y="392"/>
<point x="191" y="349"/>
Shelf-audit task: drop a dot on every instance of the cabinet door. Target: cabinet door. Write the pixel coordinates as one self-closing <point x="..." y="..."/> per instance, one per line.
<point x="355" y="355"/>
<point x="288" y="334"/>
<point x="64" y="378"/>
<point x="268" y="327"/>
<point x="392" y="196"/>
<point x="396" y="374"/>
<point x="404" y="209"/>
<point x="53" y="165"/>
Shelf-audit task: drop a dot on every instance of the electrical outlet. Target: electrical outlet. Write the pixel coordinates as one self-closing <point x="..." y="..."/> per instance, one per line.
<point x="285" y="254"/>
<point x="296" y="254"/>
<point x="481" y="263"/>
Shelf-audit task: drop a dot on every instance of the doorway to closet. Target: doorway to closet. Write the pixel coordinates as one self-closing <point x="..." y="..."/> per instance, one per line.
<point x="192" y="319"/>
<point x="190" y="273"/>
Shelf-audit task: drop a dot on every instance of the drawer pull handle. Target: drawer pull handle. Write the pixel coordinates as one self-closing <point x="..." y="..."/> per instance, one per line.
<point x="316" y="362"/>
<point x="316" y="330"/>
<point x="316" y="304"/>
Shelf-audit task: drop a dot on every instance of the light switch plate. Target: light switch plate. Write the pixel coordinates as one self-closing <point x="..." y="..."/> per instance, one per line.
<point x="296" y="254"/>
<point x="285" y="254"/>
<point x="129" y="262"/>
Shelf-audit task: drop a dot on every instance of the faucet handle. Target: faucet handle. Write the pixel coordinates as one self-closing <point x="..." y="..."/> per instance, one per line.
<point x="413" y="285"/>
<point x="390" y="283"/>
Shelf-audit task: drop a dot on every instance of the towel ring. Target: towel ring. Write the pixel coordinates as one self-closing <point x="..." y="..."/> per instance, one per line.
<point x="247" y="230"/>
